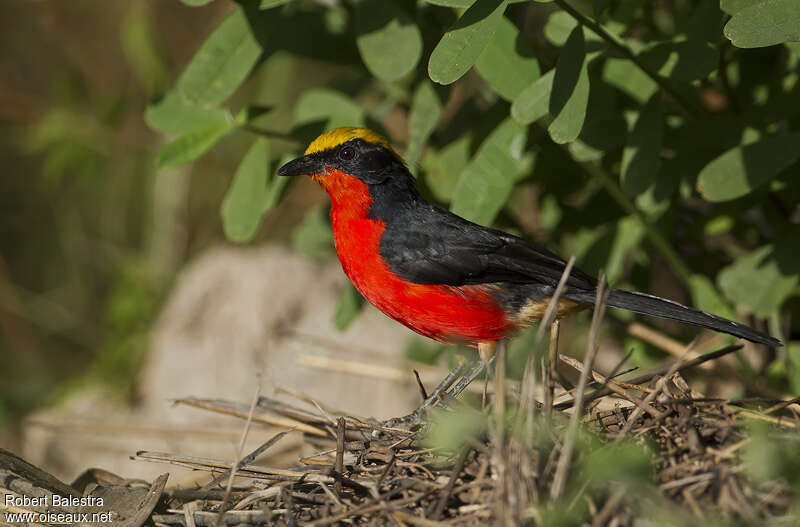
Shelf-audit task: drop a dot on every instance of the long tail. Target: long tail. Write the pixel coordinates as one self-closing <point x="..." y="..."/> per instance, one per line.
<point x="661" y="307"/>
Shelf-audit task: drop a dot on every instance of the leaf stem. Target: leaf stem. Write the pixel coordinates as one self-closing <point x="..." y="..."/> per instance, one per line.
<point x="684" y="104"/>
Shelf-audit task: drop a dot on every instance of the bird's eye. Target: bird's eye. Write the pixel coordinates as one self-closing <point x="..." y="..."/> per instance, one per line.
<point x="347" y="154"/>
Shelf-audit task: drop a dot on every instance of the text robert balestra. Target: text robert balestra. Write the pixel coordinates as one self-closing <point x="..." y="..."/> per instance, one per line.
<point x="53" y="500"/>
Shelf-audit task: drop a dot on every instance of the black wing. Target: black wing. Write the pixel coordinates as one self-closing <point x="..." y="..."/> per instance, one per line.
<point x="429" y="245"/>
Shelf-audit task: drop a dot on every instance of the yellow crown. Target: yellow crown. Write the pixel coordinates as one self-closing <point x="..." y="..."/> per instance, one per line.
<point x="341" y="135"/>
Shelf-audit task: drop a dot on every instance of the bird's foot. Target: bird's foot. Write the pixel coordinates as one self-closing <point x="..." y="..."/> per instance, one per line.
<point x="445" y="391"/>
<point x="407" y="421"/>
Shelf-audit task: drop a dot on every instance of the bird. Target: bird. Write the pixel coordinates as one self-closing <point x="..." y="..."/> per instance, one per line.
<point x="443" y="276"/>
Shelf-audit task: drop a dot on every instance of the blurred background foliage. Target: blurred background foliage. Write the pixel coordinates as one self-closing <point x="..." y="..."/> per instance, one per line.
<point x="659" y="142"/>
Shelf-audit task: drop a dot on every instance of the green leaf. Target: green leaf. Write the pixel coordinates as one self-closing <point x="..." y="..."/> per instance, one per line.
<point x="222" y="63"/>
<point x="765" y="23"/>
<point x="641" y="159"/>
<point x="793" y="358"/>
<point x="464" y="42"/>
<point x="313" y="236"/>
<point x="706" y="297"/>
<point x="442" y="169"/>
<point x="348" y="307"/>
<point x="629" y="78"/>
<point x="268" y="4"/>
<point x="142" y="51"/>
<point x="451" y="3"/>
<point x="277" y="186"/>
<point x="243" y="205"/>
<point x="508" y="63"/>
<point x="570" y="95"/>
<point x="191" y="145"/>
<point x="387" y="38"/>
<point x="195" y="3"/>
<point x="558" y="27"/>
<point x="423" y="116"/>
<point x="734" y="6"/>
<point x="332" y="107"/>
<point x="174" y="115"/>
<point x="463" y="4"/>
<point x="794" y="48"/>
<point x="761" y="281"/>
<point x="450" y="431"/>
<point x="486" y="183"/>
<point x="683" y="61"/>
<point x="533" y="102"/>
<point x="627" y="236"/>
<point x="250" y="113"/>
<point x="740" y="170"/>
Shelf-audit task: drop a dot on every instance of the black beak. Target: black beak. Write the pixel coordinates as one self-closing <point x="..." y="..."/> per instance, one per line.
<point x="302" y="166"/>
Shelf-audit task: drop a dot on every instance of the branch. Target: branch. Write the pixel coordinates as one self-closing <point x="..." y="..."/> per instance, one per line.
<point x="685" y="105"/>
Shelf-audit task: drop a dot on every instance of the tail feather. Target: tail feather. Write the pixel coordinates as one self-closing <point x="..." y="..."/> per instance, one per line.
<point x="661" y="307"/>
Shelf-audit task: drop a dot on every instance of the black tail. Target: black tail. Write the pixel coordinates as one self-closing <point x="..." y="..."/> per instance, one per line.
<point x="661" y="307"/>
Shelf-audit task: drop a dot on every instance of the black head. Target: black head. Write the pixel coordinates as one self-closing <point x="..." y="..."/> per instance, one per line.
<point x="357" y="152"/>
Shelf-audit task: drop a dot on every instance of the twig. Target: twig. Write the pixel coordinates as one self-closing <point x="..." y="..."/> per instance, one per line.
<point x="550" y="368"/>
<point x="421" y="386"/>
<point x="339" y="467"/>
<point x="560" y="477"/>
<point x="688" y="108"/>
<point x="652" y="395"/>
<point x="224" y="506"/>
<point x="188" y="513"/>
<point x="416" y="520"/>
<point x="224" y="407"/>
<point x="245" y="460"/>
<point x="658" y="371"/>
<point x="448" y="489"/>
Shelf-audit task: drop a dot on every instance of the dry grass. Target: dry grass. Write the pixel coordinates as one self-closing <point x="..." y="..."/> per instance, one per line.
<point x="646" y="449"/>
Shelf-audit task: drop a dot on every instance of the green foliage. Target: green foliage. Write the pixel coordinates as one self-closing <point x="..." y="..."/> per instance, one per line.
<point x="508" y="63"/>
<point x="466" y="39"/>
<point x="221" y="64"/>
<point x="388" y="40"/>
<point x="533" y="102"/>
<point x="245" y="201"/>
<point x="450" y="431"/>
<point x="744" y="168"/>
<point x="569" y="97"/>
<point x="424" y="113"/>
<point x="770" y="455"/>
<point x="641" y="158"/>
<point x="764" y="23"/>
<point x="761" y="281"/>
<point x="486" y="183"/>
<point x="191" y="145"/>
<point x="313" y="235"/>
<point x="330" y="107"/>
<point x="646" y="134"/>
<point x="348" y="307"/>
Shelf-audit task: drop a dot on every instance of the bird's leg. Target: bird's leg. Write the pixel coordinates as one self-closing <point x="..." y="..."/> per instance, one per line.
<point x="486" y="352"/>
<point x="550" y="368"/>
<point x="435" y="395"/>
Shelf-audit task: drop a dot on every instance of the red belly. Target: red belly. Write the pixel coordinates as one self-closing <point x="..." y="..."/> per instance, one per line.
<point x="467" y="314"/>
